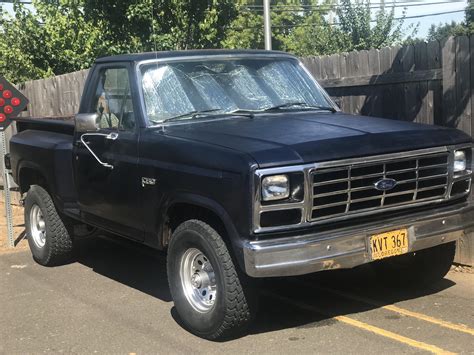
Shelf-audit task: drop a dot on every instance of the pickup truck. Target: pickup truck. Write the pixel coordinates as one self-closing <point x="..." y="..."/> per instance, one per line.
<point x="240" y="166"/>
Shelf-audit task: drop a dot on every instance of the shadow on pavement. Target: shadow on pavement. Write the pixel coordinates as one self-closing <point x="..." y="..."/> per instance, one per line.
<point x="126" y="262"/>
<point x="145" y="270"/>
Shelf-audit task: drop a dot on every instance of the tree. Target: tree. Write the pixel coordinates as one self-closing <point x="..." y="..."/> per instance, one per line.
<point x="442" y="31"/>
<point x="315" y="36"/>
<point x="161" y="24"/>
<point x="307" y="27"/>
<point x="61" y="36"/>
<point x="356" y="25"/>
<point x="53" y="40"/>
<point x="246" y="31"/>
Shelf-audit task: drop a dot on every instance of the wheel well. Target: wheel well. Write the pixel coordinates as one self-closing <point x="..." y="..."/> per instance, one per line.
<point x="30" y="176"/>
<point x="181" y="212"/>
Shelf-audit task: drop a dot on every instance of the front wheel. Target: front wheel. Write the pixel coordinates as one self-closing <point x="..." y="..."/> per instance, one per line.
<point x="210" y="297"/>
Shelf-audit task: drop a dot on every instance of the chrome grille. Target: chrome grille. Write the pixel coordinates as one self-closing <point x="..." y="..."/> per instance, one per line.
<point x="344" y="190"/>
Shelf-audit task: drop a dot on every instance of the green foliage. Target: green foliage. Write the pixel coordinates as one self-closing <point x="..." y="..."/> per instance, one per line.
<point x="51" y="41"/>
<point x="439" y="32"/>
<point x="319" y="29"/>
<point x="244" y="32"/>
<point x="61" y="36"/>
<point x="360" y="33"/>
<point x="315" y="37"/>
<point x="442" y="31"/>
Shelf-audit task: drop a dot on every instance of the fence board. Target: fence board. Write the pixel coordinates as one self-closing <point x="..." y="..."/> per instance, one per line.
<point x="449" y="82"/>
<point x="463" y="86"/>
<point x="471" y="51"/>
<point x="421" y="63"/>
<point x="436" y="87"/>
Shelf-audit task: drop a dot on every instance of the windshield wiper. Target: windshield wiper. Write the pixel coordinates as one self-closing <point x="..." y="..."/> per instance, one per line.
<point x="192" y="114"/>
<point x="302" y="105"/>
<point x="241" y="112"/>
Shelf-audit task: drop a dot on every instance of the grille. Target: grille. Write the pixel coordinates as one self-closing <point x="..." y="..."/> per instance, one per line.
<point x="339" y="191"/>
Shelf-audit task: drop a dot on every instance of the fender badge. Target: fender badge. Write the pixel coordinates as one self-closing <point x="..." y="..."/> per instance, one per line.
<point x="148" y="181"/>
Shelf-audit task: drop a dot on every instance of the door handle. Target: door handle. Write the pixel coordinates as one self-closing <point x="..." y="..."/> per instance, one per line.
<point x="86" y="144"/>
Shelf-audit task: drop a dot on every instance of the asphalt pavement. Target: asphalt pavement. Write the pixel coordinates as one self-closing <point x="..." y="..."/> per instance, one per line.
<point x="114" y="299"/>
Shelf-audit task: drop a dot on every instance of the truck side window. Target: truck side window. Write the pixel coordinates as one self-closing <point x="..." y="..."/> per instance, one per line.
<point x="113" y="100"/>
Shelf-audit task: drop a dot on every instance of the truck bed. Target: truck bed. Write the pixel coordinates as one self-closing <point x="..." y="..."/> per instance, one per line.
<point x="45" y="146"/>
<point x="58" y="124"/>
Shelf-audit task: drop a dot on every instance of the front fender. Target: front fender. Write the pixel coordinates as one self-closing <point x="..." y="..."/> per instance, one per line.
<point x="233" y="239"/>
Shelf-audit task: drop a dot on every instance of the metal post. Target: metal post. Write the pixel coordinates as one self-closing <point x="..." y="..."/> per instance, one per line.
<point x="267" y="24"/>
<point x="6" y="190"/>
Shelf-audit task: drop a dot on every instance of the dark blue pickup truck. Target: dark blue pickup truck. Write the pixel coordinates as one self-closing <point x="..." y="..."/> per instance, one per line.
<point x="240" y="166"/>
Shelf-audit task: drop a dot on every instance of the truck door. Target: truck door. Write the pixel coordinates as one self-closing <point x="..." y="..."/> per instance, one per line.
<point x="108" y="194"/>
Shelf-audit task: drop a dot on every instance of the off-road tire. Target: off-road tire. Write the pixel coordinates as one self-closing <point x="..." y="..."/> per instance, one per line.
<point x="236" y="299"/>
<point x="58" y="241"/>
<point x="424" y="267"/>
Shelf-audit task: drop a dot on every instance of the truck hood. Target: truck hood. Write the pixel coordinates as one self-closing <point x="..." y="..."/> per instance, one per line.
<point x="304" y="137"/>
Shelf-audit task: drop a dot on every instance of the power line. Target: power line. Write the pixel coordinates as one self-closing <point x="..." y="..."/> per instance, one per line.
<point x="386" y="3"/>
<point x="337" y="23"/>
<point x="325" y="8"/>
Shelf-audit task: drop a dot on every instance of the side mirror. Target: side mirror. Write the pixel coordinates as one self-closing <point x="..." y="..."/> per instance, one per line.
<point x="86" y="122"/>
<point x="337" y="101"/>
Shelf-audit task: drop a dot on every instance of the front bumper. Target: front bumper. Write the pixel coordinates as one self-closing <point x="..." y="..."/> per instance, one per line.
<point x="348" y="247"/>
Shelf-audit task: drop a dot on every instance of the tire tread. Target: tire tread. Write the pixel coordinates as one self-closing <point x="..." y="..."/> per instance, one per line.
<point x="237" y="313"/>
<point x="61" y="242"/>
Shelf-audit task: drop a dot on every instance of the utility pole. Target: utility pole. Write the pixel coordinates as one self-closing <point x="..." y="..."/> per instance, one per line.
<point x="267" y="24"/>
<point x="332" y="12"/>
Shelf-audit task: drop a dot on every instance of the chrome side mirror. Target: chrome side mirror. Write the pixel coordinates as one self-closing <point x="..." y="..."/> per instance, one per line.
<point x="86" y="122"/>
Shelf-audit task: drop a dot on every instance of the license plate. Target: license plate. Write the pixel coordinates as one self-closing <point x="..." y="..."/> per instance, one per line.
<point x="389" y="244"/>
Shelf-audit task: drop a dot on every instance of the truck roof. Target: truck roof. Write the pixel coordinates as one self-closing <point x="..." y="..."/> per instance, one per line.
<point x="136" y="57"/>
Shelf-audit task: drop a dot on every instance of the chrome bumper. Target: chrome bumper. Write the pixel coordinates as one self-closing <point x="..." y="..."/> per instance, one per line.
<point x="348" y="247"/>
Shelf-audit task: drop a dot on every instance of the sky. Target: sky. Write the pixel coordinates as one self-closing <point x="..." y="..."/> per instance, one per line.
<point x="426" y="22"/>
<point x="415" y="8"/>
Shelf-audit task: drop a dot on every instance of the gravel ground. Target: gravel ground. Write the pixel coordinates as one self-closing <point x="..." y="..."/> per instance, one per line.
<point x="18" y="228"/>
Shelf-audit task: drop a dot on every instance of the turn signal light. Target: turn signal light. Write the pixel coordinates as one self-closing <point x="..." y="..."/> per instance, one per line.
<point x="12" y="102"/>
<point x="7" y="94"/>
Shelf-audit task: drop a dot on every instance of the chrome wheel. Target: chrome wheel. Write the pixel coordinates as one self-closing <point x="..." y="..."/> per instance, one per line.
<point x="37" y="226"/>
<point x="198" y="280"/>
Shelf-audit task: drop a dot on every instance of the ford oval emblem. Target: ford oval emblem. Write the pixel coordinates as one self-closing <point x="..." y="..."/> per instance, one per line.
<point x="385" y="184"/>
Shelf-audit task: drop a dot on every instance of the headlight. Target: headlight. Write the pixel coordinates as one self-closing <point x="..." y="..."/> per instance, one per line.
<point x="460" y="161"/>
<point x="276" y="187"/>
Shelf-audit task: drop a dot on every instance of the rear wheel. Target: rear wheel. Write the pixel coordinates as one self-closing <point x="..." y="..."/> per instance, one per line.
<point x="211" y="298"/>
<point x="423" y="267"/>
<point x="48" y="238"/>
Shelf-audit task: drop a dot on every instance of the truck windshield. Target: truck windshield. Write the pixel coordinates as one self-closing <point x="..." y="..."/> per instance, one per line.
<point x="223" y="86"/>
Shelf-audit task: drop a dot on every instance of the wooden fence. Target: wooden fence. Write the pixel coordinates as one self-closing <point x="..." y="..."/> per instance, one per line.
<point x="427" y="82"/>
<point x="56" y="96"/>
